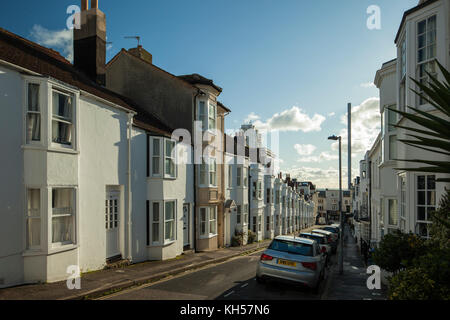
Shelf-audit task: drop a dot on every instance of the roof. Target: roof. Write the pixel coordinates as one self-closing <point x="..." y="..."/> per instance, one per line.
<point x="229" y="204"/>
<point x="322" y="231"/>
<point x="220" y="104"/>
<point x="46" y="62"/>
<point x="296" y="239"/>
<point x="195" y="78"/>
<point x="421" y="5"/>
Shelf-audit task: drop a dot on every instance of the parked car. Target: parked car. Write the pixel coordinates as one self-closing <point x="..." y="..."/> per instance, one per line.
<point x="325" y="247"/>
<point x="331" y="229"/>
<point x="293" y="259"/>
<point x="331" y="237"/>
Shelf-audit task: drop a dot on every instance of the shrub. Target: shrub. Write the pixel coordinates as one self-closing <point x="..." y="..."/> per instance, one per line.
<point x="411" y="284"/>
<point x="251" y="237"/>
<point x="397" y="251"/>
<point x="238" y="239"/>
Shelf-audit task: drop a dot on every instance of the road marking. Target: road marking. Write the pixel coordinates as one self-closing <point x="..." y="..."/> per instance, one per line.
<point x="229" y="293"/>
<point x="244" y="285"/>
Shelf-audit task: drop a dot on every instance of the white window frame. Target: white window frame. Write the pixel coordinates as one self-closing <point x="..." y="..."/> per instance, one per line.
<point x="388" y="201"/>
<point x="212" y="170"/>
<point x="72" y="214"/>
<point x="427" y="220"/>
<point x="173" y="221"/>
<point x="157" y="158"/>
<point x="29" y="216"/>
<point x="207" y="221"/>
<point x="245" y="176"/>
<point x="238" y="214"/>
<point x="173" y="157"/>
<point x="209" y="115"/>
<point x="157" y="222"/>
<point x="161" y="222"/>
<point x="33" y="112"/>
<point x="245" y="214"/>
<point x="70" y="121"/>
<point x="427" y="61"/>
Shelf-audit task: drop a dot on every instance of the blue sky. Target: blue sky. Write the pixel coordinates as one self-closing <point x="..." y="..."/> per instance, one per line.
<point x="267" y="55"/>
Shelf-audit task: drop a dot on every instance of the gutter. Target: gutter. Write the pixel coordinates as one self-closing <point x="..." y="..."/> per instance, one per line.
<point x="195" y="173"/>
<point x="129" y="206"/>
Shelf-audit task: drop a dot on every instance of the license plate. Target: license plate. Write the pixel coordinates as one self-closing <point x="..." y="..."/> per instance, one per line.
<point x="287" y="263"/>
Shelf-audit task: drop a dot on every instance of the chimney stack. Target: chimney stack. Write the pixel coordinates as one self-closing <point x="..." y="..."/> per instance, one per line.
<point x="89" y="43"/>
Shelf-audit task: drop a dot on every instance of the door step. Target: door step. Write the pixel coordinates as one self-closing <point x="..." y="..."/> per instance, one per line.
<point x="116" y="262"/>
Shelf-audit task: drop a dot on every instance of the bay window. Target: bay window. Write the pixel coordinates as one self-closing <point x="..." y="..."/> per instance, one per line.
<point x="204" y="173"/>
<point x="62" y="118"/>
<point x="238" y="176"/>
<point x="212" y="117"/>
<point x="169" y="159"/>
<point x="392" y="212"/>
<point x="169" y="220"/>
<point x="426" y="202"/>
<point x="259" y="223"/>
<point x="156" y="208"/>
<point x="163" y="157"/>
<point x="163" y="219"/>
<point x="207" y="115"/>
<point x="156" y="156"/>
<point x="33" y="120"/>
<point x="392" y="147"/>
<point x="238" y="214"/>
<point x="426" y="52"/>
<point x="33" y="218"/>
<point x="245" y="214"/>
<point x="208" y="221"/>
<point x="212" y="172"/>
<point x="259" y="190"/>
<point x="63" y="215"/>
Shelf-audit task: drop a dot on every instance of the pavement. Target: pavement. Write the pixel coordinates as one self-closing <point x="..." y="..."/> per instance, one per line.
<point x="352" y="284"/>
<point x="103" y="282"/>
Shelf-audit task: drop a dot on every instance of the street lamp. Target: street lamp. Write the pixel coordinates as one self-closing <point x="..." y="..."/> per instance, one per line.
<point x="341" y="256"/>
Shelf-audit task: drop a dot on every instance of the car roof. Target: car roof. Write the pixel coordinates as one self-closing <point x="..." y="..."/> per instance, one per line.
<point x="295" y="239"/>
<point x="313" y="234"/>
<point x="321" y="231"/>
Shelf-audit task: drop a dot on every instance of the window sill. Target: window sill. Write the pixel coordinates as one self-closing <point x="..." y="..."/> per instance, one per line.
<point x="161" y="245"/>
<point x="54" y="250"/>
<point x="208" y="237"/>
<point x="49" y="149"/>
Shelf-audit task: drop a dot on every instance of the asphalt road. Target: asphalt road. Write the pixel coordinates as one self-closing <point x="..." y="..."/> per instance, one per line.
<point x="231" y="280"/>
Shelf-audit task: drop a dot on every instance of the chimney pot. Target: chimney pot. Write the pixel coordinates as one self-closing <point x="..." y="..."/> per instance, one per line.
<point x="84" y="5"/>
<point x="94" y="4"/>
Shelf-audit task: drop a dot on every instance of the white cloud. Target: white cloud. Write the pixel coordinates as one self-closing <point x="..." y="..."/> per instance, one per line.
<point x="59" y="40"/>
<point x="251" y="117"/>
<point x="323" y="156"/>
<point x="294" y="119"/>
<point x="331" y="114"/>
<point x="321" y="177"/>
<point x="305" y="149"/>
<point x="367" y="85"/>
<point x="366" y="125"/>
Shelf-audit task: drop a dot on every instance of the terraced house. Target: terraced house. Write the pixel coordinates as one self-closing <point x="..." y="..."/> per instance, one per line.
<point x="403" y="200"/>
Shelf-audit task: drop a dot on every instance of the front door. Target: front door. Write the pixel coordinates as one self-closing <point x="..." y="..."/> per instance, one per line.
<point x="186" y="224"/>
<point x="112" y="224"/>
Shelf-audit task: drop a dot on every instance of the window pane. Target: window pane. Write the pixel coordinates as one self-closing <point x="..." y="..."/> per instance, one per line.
<point x="421" y="197"/>
<point x="61" y="229"/>
<point x="61" y="132"/>
<point x="421" y="27"/>
<point x="62" y="200"/>
<point x="170" y="210"/>
<point x="169" y="232"/>
<point x="155" y="211"/>
<point x="420" y="213"/>
<point x="431" y="182"/>
<point x="421" y="182"/>
<point x="33" y="127"/>
<point x="62" y="106"/>
<point x="34" y="202"/>
<point x="33" y="97"/>
<point x="393" y="212"/>
<point x="169" y="148"/>
<point x="33" y="232"/>
<point x="170" y="167"/>
<point x="156" y="147"/>
<point x="155" y="232"/>
<point x="155" y="165"/>
<point x="392" y="147"/>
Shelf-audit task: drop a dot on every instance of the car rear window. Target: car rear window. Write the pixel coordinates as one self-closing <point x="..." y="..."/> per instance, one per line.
<point x="330" y="229"/>
<point x="303" y="249"/>
<point x="319" y="239"/>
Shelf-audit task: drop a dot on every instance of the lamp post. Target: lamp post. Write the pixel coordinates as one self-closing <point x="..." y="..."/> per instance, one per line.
<point x="341" y="245"/>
